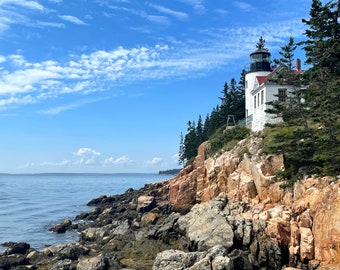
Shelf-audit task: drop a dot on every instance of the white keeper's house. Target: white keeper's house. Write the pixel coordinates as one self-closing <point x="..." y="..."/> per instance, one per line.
<point x="260" y="89"/>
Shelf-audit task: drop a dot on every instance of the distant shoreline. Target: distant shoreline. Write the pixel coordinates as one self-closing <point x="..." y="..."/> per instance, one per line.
<point x="170" y="172"/>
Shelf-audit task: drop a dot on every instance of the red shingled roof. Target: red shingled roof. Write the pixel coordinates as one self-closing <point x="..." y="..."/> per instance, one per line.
<point x="261" y="79"/>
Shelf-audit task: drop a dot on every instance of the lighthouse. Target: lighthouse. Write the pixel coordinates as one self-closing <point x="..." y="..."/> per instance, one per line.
<point x="259" y="68"/>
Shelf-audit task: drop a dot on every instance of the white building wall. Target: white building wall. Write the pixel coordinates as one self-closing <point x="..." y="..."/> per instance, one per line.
<point x="260" y="117"/>
<point x="250" y="85"/>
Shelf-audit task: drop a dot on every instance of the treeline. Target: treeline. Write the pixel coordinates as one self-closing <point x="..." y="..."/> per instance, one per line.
<point x="232" y="104"/>
<point x="309" y="136"/>
<point x="170" y="172"/>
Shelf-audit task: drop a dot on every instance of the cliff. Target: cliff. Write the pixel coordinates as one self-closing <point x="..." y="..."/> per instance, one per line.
<point x="303" y="220"/>
<point x="225" y="212"/>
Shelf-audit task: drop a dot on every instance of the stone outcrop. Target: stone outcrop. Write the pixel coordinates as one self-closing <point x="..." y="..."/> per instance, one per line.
<point x="221" y="212"/>
<point x="304" y="220"/>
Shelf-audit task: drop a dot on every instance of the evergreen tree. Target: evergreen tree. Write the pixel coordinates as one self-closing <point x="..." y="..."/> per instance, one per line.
<point x="215" y="121"/>
<point x="181" y="158"/>
<point x="190" y="143"/>
<point x="309" y="137"/>
<point x="225" y="107"/>
<point x="322" y="49"/>
<point x="206" y="127"/>
<point x="287" y="53"/>
<point x="199" y="131"/>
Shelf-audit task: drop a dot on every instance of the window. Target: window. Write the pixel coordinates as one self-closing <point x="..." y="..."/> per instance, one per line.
<point x="282" y="94"/>
<point x="246" y="84"/>
<point x="262" y="96"/>
<point x="254" y="101"/>
<point x="258" y="100"/>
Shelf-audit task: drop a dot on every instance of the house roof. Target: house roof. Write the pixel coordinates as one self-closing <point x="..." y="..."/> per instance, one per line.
<point x="263" y="79"/>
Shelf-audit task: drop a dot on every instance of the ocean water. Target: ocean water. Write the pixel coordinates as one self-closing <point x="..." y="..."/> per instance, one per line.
<point x="31" y="204"/>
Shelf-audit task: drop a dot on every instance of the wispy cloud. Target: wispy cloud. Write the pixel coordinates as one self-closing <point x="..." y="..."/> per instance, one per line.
<point x="198" y="5"/>
<point x="23" y="3"/>
<point x="163" y="20"/>
<point x="56" y="164"/>
<point x="67" y="107"/>
<point x="24" y="82"/>
<point x="177" y="14"/>
<point x="72" y="19"/>
<point x="243" y="6"/>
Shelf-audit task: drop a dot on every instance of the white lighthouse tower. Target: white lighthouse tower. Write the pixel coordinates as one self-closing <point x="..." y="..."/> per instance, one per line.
<point x="259" y="66"/>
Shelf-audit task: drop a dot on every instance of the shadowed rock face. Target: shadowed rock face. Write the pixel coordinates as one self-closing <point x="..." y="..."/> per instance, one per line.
<point x="225" y="212"/>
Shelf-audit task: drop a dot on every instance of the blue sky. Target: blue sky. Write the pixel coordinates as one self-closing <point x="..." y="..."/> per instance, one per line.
<point x="108" y="85"/>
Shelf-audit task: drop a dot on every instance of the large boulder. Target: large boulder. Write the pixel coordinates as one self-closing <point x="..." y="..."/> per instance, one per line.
<point x="215" y="258"/>
<point x="99" y="262"/>
<point x="206" y="225"/>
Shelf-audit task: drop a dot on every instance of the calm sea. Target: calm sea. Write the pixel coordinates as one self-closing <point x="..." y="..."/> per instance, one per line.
<point x="31" y="204"/>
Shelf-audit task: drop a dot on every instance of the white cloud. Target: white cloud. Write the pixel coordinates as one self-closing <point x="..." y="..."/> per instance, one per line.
<point x="62" y="163"/>
<point x="243" y="6"/>
<point x="117" y="161"/>
<point x="23" y="3"/>
<point x="198" y="5"/>
<point x="72" y="19"/>
<point x="86" y="151"/>
<point x="178" y="14"/>
<point x="87" y="156"/>
<point x="23" y="82"/>
<point x="67" y="107"/>
<point x="154" y="161"/>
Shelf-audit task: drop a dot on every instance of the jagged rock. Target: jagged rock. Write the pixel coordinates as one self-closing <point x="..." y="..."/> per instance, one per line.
<point x="306" y="244"/>
<point x="62" y="227"/>
<point x="214" y="258"/>
<point x="145" y="203"/>
<point x="206" y="225"/>
<point x="229" y="200"/>
<point x="93" y="234"/>
<point x="13" y="261"/>
<point x="71" y="251"/>
<point x="99" y="262"/>
<point x="16" y="248"/>
<point x="62" y="265"/>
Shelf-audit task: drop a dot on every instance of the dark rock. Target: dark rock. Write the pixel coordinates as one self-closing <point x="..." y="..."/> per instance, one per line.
<point x="11" y="261"/>
<point x="96" y="200"/>
<point x="63" y="265"/>
<point x="62" y="227"/>
<point x="72" y="251"/>
<point x="16" y="248"/>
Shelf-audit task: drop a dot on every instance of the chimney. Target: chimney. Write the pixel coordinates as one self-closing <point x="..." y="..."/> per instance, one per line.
<point x="298" y="64"/>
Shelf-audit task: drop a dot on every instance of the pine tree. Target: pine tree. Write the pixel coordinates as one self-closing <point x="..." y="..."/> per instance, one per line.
<point x="323" y="53"/>
<point x="181" y="158"/>
<point x="199" y="130"/>
<point x="190" y="143"/>
<point x="287" y="53"/>
<point x="309" y="137"/>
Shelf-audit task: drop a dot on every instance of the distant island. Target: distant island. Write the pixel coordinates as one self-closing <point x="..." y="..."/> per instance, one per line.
<point x="172" y="171"/>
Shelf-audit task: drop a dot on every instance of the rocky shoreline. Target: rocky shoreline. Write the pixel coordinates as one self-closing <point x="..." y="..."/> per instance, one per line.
<point x="225" y="212"/>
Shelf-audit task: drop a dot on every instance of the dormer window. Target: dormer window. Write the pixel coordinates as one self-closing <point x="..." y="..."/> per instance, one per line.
<point x="282" y="94"/>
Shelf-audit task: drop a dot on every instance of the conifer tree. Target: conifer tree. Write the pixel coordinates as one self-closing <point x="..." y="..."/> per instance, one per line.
<point x="181" y="158"/>
<point x="287" y="53"/>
